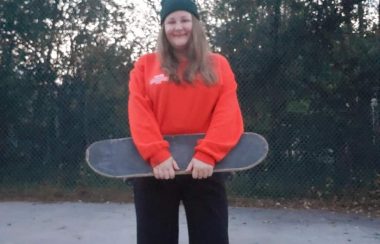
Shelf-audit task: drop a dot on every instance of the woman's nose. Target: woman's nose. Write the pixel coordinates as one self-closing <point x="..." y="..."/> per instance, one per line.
<point x="178" y="26"/>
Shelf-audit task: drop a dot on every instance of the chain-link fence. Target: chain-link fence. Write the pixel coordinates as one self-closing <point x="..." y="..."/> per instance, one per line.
<point x="308" y="77"/>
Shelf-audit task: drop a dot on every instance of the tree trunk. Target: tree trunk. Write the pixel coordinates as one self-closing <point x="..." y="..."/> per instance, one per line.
<point x="361" y="18"/>
<point x="348" y="6"/>
<point x="378" y="15"/>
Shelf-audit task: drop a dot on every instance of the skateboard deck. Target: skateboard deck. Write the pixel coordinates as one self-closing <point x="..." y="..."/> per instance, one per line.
<point x="119" y="158"/>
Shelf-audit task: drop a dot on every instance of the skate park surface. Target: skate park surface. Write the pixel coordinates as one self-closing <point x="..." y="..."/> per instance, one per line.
<point x="78" y="222"/>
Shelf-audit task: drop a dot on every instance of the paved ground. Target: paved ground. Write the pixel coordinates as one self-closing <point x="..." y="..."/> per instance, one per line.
<point x="89" y="223"/>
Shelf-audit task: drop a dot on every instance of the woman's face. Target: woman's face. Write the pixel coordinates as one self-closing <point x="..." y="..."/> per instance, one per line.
<point x="178" y="26"/>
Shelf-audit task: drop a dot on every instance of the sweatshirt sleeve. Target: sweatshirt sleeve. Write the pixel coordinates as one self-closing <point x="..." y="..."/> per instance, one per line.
<point x="226" y="125"/>
<point x="142" y="122"/>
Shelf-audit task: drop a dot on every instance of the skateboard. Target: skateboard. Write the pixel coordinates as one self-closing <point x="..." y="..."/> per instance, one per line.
<point x="119" y="158"/>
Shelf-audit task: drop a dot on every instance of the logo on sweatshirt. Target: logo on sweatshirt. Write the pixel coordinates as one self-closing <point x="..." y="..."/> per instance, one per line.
<point x="158" y="79"/>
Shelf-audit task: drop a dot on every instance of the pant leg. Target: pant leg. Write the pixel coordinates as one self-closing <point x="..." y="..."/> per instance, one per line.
<point x="206" y="207"/>
<point x="157" y="206"/>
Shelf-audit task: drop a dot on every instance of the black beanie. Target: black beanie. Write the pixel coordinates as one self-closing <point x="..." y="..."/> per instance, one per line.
<point x="170" y="6"/>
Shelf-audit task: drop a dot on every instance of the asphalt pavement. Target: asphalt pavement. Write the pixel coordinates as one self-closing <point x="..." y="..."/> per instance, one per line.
<point x="103" y="223"/>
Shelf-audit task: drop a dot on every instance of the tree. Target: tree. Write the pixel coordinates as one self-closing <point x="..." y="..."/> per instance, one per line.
<point x="306" y="71"/>
<point x="46" y="55"/>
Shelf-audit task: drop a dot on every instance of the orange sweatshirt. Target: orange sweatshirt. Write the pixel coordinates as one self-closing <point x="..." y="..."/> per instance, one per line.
<point x="158" y="107"/>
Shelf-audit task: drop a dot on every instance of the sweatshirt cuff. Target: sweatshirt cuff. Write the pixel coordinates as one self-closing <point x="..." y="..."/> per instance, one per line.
<point x="204" y="157"/>
<point x="159" y="157"/>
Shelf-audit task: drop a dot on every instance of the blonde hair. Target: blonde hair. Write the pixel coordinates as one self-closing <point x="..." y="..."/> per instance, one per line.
<point x="198" y="56"/>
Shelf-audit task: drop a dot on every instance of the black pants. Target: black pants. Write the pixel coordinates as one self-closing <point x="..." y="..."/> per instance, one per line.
<point x="157" y="207"/>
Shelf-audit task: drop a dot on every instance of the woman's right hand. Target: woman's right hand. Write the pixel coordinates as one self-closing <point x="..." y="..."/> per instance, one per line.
<point x="166" y="169"/>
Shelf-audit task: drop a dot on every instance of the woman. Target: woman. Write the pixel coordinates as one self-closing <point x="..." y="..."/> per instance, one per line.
<point x="182" y="88"/>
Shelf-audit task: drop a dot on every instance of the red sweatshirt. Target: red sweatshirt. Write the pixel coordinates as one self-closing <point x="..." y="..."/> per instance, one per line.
<point x="158" y="107"/>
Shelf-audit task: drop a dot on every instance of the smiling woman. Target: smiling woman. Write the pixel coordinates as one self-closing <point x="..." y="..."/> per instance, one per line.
<point x="182" y="88"/>
<point x="182" y="37"/>
<point x="178" y="26"/>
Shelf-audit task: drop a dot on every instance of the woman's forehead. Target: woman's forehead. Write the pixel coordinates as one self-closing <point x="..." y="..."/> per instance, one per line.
<point x="179" y="14"/>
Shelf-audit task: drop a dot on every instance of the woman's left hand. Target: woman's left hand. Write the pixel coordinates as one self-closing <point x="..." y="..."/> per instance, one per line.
<point x="199" y="169"/>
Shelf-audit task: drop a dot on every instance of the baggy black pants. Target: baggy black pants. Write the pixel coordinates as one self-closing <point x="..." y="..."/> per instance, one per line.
<point x="157" y="208"/>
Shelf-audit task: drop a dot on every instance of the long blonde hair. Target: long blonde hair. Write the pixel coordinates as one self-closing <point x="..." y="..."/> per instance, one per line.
<point x="198" y="56"/>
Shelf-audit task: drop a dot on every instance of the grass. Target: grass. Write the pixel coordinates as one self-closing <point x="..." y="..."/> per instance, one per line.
<point x="51" y="193"/>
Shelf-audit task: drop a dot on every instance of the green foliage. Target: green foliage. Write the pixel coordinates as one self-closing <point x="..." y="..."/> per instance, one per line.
<point x="63" y="84"/>
<point x="306" y="78"/>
